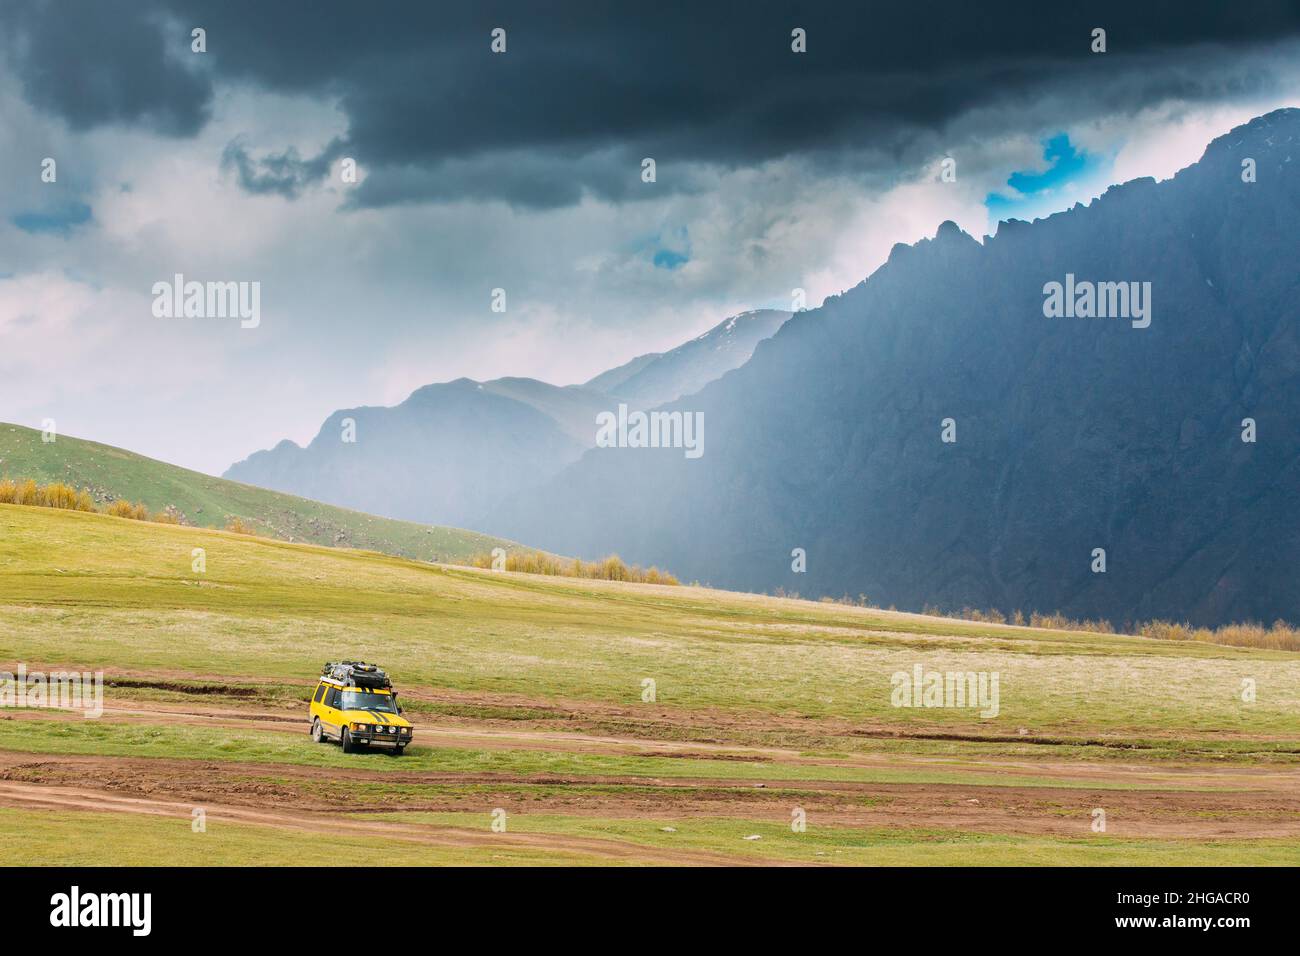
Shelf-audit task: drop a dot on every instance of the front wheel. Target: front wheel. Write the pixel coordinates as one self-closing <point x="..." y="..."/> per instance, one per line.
<point x="397" y="751"/>
<point x="348" y="745"/>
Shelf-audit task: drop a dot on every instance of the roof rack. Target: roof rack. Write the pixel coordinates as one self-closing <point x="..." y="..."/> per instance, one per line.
<point x="356" y="674"/>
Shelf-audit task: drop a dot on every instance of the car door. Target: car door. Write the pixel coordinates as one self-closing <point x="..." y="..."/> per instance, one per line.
<point x="316" y="707"/>
<point x="331" y="718"/>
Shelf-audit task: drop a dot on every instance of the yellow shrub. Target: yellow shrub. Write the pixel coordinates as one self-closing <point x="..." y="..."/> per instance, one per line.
<point x="59" y="495"/>
<point x="1165" y="631"/>
<point x="28" y="493"/>
<point x="121" y="509"/>
<point x="611" y="568"/>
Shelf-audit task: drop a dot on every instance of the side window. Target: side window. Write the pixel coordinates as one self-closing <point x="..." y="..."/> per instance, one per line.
<point x="332" y="700"/>
<point x="320" y="692"/>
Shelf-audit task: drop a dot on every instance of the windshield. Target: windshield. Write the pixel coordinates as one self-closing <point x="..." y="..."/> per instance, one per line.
<point x="362" y="700"/>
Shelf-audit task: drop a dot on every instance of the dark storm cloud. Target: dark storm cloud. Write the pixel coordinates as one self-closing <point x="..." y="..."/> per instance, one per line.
<point x="284" y="174"/>
<point x="588" y="88"/>
<point x="96" y="64"/>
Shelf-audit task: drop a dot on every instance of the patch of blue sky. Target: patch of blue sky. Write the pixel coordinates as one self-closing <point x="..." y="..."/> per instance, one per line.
<point x="670" y="259"/>
<point x="1069" y="176"/>
<point x="58" y="220"/>
<point x="668" y="250"/>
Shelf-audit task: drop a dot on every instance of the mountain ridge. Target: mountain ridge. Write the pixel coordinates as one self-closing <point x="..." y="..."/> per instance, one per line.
<point x="451" y="451"/>
<point x="1071" y="434"/>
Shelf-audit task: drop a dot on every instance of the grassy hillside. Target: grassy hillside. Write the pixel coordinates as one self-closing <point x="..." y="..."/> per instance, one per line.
<point x="529" y="695"/>
<point x="209" y="502"/>
<point x="278" y="610"/>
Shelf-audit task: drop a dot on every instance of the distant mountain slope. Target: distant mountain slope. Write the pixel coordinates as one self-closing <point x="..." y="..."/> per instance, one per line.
<point x="453" y="451"/>
<point x="572" y="407"/>
<point x="208" y="502"/>
<point x="1072" y="433"/>
<point x="610" y="380"/>
<point x="694" y="364"/>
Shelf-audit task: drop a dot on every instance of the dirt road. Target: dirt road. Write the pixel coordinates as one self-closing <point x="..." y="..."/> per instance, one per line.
<point x="1142" y="799"/>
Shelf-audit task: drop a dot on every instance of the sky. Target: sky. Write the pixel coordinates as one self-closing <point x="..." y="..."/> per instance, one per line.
<point x="523" y="170"/>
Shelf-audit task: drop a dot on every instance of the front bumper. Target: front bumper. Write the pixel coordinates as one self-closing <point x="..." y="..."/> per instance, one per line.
<point x="375" y="738"/>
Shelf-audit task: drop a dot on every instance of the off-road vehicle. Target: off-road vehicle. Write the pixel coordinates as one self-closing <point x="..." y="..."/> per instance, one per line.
<point x="356" y="705"/>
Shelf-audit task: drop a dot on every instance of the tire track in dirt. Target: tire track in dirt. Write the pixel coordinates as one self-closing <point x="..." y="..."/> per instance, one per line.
<point x="967" y="808"/>
<point x="722" y="721"/>
<point x="471" y="736"/>
<point x="31" y="796"/>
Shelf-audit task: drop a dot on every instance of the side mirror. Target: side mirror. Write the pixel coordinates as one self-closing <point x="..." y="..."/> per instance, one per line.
<point x="399" y="710"/>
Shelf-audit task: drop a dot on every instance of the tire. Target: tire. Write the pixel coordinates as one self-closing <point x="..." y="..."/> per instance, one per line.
<point x="317" y="734"/>
<point x="348" y="746"/>
<point x="397" y="751"/>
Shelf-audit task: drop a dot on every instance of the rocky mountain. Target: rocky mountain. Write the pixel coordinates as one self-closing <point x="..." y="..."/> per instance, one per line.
<point x="609" y="380"/>
<point x="1070" y="435"/>
<point x="453" y="451"/>
<point x="651" y="380"/>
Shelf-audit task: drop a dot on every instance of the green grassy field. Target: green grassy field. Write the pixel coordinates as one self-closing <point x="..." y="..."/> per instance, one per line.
<point x="881" y="847"/>
<point x="530" y="693"/>
<point x="209" y="502"/>
<point x="41" y="839"/>
<point x="113" y="594"/>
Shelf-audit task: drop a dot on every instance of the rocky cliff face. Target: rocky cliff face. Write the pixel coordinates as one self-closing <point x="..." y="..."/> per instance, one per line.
<point x="1072" y="434"/>
<point x="694" y="364"/>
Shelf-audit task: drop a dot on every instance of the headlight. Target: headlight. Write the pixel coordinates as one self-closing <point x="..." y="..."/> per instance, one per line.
<point x="358" y="726"/>
<point x="406" y="730"/>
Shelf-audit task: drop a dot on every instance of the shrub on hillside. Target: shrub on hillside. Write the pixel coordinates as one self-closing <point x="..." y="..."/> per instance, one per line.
<point x="120" y="509"/>
<point x="28" y="493"/>
<point x="59" y="495"/>
<point x="54" y="495"/>
<point x="1057" y="621"/>
<point x="611" y="568"/>
<point x="1280" y="637"/>
<point x="991" y="616"/>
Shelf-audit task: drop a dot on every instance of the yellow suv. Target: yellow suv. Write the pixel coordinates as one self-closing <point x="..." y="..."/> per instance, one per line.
<point x="355" y="704"/>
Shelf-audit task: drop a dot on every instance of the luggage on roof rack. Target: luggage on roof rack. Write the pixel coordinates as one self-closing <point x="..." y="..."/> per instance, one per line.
<point x="356" y="673"/>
